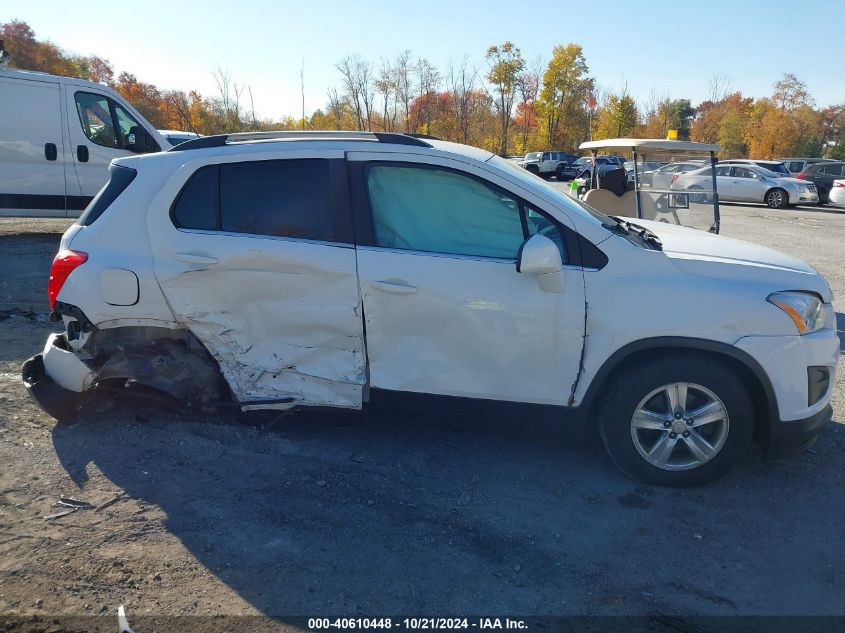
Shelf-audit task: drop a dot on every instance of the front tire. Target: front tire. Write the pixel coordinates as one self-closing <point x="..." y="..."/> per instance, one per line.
<point x="776" y="199"/>
<point x="676" y="421"/>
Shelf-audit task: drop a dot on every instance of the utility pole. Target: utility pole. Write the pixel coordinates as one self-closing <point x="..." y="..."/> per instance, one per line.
<point x="302" y="89"/>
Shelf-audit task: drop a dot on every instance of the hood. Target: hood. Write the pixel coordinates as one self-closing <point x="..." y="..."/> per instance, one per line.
<point x="702" y="253"/>
<point x="790" y="180"/>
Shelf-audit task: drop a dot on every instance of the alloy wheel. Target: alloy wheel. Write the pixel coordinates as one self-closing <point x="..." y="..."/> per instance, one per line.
<point x="680" y="426"/>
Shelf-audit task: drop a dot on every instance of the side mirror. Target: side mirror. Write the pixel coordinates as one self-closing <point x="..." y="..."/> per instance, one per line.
<point x="139" y="141"/>
<point x="539" y="256"/>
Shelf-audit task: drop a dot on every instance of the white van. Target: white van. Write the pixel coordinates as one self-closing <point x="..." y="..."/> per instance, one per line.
<point x="57" y="138"/>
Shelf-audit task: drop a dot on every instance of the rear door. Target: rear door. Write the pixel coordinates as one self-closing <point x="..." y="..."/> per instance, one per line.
<point x="32" y="160"/>
<point x="446" y="311"/>
<point x="257" y="260"/>
<point x="724" y="182"/>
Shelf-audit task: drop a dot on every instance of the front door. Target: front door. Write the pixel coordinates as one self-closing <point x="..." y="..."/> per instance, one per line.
<point x="257" y="261"/>
<point x="97" y="127"/>
<point x="745" y="185"/>
<point x="446" y="312"/>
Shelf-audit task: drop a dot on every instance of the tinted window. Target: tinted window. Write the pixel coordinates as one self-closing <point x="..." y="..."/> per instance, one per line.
<point x="437" y="210"/>
<point x="95" y="118"/>
<point x="778" y="168"/>
<point x="796" y="166"/>
<point x="284" y="198"/>
<point x="118" y="182"/>
<point x="196" y="206"/>
<point x="832" y="170"/>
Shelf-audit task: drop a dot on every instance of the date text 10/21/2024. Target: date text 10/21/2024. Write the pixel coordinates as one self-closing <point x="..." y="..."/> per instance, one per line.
<point x="417" y="623"/>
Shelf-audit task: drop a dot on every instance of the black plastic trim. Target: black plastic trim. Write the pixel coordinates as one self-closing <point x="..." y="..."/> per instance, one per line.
<point x="119" y="179"/>
<point x="685" y="343"/>
<point x="43" y="201"/>
<point x="221" y="140"/>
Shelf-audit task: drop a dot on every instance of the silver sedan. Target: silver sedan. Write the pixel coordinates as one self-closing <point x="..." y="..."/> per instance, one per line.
<point x="749" y="183"/>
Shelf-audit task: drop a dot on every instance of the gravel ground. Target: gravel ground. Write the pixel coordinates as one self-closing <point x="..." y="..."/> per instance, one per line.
<point x="391" y="512"/>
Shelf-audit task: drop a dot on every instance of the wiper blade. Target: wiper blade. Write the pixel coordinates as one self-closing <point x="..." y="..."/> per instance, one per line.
<point x="626" y="228"/>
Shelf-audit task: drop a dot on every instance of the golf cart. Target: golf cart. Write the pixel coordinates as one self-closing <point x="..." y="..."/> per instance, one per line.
<point x="610" y="192"/>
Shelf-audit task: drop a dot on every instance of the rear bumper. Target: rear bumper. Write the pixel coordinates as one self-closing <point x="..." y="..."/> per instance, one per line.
<point x="790" y="437"/>
<point x="57" y="378"/>
<point x="54" y="399"/>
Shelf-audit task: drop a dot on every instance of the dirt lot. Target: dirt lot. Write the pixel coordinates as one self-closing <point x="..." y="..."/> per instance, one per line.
<point x="392" y="513"/>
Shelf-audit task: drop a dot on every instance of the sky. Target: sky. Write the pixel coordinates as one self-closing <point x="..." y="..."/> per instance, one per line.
<point x="664" y="47"/>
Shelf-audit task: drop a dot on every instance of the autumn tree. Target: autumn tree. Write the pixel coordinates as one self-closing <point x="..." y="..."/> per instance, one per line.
<point x="506" y="64"/>
<point x="357" y="80"/>
<point x="617" y="117"/>
<point x="561" y="103"/>
<point x="460" y="81"/>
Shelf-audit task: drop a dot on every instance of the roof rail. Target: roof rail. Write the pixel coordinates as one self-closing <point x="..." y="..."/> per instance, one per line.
<point x="221" y="140"/>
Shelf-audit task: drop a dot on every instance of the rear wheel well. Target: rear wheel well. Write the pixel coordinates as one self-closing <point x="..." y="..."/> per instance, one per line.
<point x="762" y="408"/>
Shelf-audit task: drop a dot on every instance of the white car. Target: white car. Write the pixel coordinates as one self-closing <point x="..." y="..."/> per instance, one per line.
<point x="271" y="271"/>
<point x="748" y="183"/>
<point x="57" y="138"/>
<point x="836" y="198"/>
<point x="662" y="177"/>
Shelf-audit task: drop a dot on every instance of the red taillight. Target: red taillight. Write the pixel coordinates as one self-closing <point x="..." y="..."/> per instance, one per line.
<point x="802" y="176"/>
<point x="63" y="264"/>
<point x="674" y="178"/>
<point x="839" y="183"/>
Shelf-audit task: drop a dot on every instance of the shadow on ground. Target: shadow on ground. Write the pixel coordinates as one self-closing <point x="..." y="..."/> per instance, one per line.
<point x="389" y="513"/>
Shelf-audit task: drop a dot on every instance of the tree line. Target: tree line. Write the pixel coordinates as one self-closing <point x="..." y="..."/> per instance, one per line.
<point x="506" y="104"/>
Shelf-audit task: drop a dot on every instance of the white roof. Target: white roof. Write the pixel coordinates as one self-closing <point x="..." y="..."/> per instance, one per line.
<point x="651" y="146"/>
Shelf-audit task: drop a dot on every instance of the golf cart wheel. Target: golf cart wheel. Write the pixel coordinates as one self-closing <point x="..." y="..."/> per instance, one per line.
<point x="777" y="199"/>
<point x="681" y="421"/>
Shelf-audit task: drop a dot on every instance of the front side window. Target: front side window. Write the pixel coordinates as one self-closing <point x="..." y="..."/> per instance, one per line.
<point x="95" y="117"/>
<point x="125" y="121"/>
<point x="441" y="211"/>
<point x="278" y="198"/>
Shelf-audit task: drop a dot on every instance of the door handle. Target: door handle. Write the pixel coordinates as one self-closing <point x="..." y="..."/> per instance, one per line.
<point x="50" y="151"/>
<point x="82" y="153"/>
<point x="191" y="258"/>
<point x="396" y="286"/>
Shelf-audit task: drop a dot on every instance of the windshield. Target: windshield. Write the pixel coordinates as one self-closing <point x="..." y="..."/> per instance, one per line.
<point x="534" y="181"/>
<point x="532" y="156"/>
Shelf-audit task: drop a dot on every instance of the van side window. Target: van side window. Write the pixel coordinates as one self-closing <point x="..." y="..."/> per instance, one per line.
<point x="125" y="122"/>
<point x="95" y="117"/>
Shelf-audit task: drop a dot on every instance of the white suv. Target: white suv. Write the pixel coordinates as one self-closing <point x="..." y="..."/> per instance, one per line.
<point x="294" y="269"/>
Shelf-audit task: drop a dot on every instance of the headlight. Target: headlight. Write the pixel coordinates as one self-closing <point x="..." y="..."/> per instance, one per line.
<point x="806" y="310"/>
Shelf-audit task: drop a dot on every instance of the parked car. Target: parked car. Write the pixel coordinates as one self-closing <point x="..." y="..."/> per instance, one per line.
<point x="797" y="165"/>
<point x="747" y="182"/>
<point x="775" y="166"/>
<point x="57" y="138"/>
<point x="547" y="164"/>
<point x="174" y="137"/>
<point x="662" y="177"/>
<point x="822" y="175"/>
<point x="836" y="197"/>
<point x="301" y="270"/>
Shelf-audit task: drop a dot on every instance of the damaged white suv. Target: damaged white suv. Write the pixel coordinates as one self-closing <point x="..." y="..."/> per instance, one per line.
<point x="293" y="269"/>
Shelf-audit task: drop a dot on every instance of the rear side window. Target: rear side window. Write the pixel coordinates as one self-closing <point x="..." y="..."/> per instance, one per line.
<point x="197" y="206"/>
<point x="284" y="198"/>
<point x="832" y="170"/>
<point x="279" y="198"/>
<point x="117" y="184"/>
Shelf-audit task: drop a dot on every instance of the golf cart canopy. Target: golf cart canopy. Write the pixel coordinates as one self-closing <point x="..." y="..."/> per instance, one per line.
<point x="654" y="148"/>
<point x="656" y="197"/>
